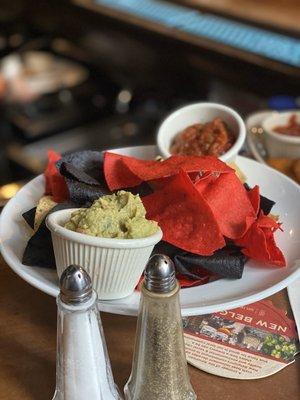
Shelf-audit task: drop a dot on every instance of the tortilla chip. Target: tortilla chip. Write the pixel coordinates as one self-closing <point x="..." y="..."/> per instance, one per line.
<point x="227" y="263"/>
<point x="254" y="197"/>
<point x="83" y="172"/>
<point x="229" y="203"/>
<point x="123" y="171"/>
<point x="55" y="183"/>
<point x="259" y="244"/>
<point x="184" y="216"/>
<point x="71" y="172"/>
<point x="82" y="194"/>
<point x="50" y="169"/>
<point x="267" y="221"/>
<point x="87" y="161"/>
<point x="45" y="204"/>
<point x="194" y="270"/>
<point x="265" y="204"/>
<point x="117" y="175"/>
<point x="144" y="189"/>
<point x="150" y="170"/>
<point x="185" y="279"/>
<point x="39" y="250"/>
<point x="186" y="283"/>
<point x="29" y="217"/>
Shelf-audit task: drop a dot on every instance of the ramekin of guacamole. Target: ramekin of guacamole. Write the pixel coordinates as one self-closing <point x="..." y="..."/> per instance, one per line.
<point x="120" y="215"/>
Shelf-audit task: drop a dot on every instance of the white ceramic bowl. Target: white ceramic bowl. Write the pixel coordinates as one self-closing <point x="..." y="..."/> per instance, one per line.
<point x="115" y="265"/>
<point x="201" y="113"/>
<point x="278" y="144"/>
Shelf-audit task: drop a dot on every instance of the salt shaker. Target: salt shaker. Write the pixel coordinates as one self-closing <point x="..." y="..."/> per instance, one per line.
<point x="83" y="368"/>
<point x="159" y="369"/>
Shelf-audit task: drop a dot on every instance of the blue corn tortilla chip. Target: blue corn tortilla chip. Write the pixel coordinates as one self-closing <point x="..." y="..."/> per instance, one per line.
<point x="39" y="250"/>
<point x="83" y="194"/>
<point x="143" y="189"/>
<point x="87" y="161"/>
<point x="168" y="249"/>
<point x="69" y="171"/>
<point x="228" y="262"/>
<point x="29" y="217"/>
<point x="266" y="204"/>
<point x="83" y="173"/>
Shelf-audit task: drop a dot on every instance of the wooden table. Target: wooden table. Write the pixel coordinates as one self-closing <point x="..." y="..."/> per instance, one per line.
<point x="28" y="342"/>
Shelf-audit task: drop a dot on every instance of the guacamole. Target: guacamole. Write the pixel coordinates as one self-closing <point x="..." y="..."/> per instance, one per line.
<point x="119" y="215"/>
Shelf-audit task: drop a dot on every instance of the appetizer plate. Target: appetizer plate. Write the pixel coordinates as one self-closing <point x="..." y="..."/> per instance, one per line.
<point x="259" y="281"/>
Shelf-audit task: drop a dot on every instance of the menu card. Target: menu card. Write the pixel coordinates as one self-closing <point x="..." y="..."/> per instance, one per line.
<point x="249" y="342"/>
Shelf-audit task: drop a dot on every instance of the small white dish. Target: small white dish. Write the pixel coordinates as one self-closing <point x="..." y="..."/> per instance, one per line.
<point x="278" y="144"/>
<point x="114" y="265"/>
<point x="180" y="119"/>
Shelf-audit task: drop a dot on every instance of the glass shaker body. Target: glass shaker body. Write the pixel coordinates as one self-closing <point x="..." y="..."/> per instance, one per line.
<point x="159" y="370"/>
<point x="83" y="368"/>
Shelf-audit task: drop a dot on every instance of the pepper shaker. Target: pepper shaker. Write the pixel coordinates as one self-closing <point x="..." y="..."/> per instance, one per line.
<point x="159" y="369"/>
<point x="83" y="368"/>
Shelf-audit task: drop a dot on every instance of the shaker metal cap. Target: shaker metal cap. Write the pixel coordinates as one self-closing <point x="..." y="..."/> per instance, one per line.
<point x="160" y="274"/>
<point x="75" y="285"/>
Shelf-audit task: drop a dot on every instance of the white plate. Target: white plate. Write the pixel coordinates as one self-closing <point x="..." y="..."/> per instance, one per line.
<point x="258" y="282"/>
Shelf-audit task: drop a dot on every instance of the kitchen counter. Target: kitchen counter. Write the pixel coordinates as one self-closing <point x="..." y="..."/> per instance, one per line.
<point x="28" y="349"/>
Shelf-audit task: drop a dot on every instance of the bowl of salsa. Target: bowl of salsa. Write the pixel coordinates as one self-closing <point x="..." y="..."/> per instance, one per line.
<point x="282" y="134"/>
<point x="202" y="129"/>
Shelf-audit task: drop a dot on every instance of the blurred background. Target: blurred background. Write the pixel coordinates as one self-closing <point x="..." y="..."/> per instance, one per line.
<point x="104" y="73"/>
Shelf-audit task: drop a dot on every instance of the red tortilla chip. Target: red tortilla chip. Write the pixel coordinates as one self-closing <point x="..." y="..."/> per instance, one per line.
<point x="230" y="204"/>
<point x="117" y="175"/>
<point x="184" y="216"/>
<point x="265" y="221"/>
<point x="149" y="170"/>
<point x="185" y="283"/>
<point x="254" y="197"/>
<point x="50" y="170"/>
<point x="259" y="244"/>
<point x="202" y="183"/>
<point x="55" y="183"/>
<point x="123" y="171"/>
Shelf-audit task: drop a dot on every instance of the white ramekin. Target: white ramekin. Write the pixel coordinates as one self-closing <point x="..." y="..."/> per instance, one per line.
<point x="278" y="144"/>
<point x="115" y="265"/>
<point x="201" y="113"/>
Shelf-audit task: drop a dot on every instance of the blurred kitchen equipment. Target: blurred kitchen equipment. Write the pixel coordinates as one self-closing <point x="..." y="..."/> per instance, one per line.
<point x="29" y="75"/>
<point x="44" y="94"/>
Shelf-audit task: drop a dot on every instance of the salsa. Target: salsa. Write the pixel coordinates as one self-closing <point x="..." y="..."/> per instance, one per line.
<point x="213" y="138"/>
<point x="292" y="128"/>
